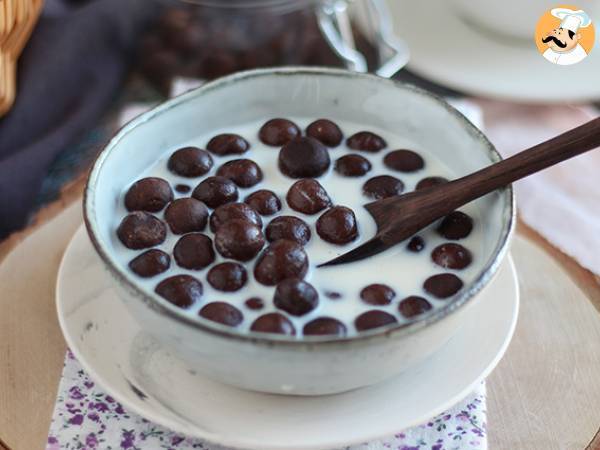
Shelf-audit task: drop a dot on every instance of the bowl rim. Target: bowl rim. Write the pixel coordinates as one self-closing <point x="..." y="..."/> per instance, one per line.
<point x="162" y="307"/>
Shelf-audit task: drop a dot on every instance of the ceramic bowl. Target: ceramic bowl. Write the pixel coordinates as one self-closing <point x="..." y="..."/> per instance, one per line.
<point x="282" y="364"/>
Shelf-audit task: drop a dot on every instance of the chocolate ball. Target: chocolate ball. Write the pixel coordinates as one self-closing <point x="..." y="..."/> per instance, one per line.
<point x="182" y="188"/>
<point x="186" y="215"/>
<point x="233" y="211"/>
<point x="304" y="157"/>
<point x="222" y="313"/>
<point x="280" y="260"/>
<point x="456" y="225"/>
<point x="413" y="306"/>
<point x="194" y="251"/>
<point x="324" y="326"/>
<point x="295" y="296"/>
<point x="288" y="227"/>
<point x="228" y="144"/>
<point x="150" y="263"/>
<point x="352" y="165"/>
<point x="180" y="290"/>
<point x="273" y="323"/>
<point x="148" y="194"/>
<point x="326" y="132"/>
<point x="277" y="132"/>
<point x="443" y="285"/>
<point x="404" y="161"/>
<point x="308" y="197"/>
<point x="227" y="277"/>
<point x="239" y="239"/>
<point x="366" y="141"/>
<point x="377" y="294"/>
<point x="337" y="225"/>
<point x="430" y="182"/>
<point x="333" y="295"/>
<point x="416" y="244"/>
<point x="190" y="162"/>
<point x="254" y="303"/>
<point x="216" y="191"/>
<point x="264" y="202"/>
<point x="373" y="319"/>
<point x="451" y="256"/>
<point x="383" y="186"/>
<point x="140" y="230"/>
<point x="243" y="172"/>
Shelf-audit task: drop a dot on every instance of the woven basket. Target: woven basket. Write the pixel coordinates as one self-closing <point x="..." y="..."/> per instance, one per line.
<point x="17" y="19"/>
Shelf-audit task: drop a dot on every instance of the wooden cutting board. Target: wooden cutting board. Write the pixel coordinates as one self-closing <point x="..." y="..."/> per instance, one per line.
<point x="544" y="394"/>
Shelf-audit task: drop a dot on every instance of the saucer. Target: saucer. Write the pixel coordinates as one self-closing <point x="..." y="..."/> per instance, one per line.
<point x="134" y="369"/>
<point x="448" y="51"/>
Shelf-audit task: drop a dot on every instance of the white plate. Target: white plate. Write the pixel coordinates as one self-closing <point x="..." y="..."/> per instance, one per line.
<point x="448" y="51"/>
<point x="136" y="371"/>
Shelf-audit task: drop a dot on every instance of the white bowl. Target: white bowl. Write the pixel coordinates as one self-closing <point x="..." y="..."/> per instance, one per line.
<point x="283" y="364"/>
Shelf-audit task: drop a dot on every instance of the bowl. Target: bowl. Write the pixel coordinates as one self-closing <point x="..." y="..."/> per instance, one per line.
<point x="283" y="364"/>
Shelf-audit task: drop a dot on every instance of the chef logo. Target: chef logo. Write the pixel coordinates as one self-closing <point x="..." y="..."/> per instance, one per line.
<point x="565" y="35"/>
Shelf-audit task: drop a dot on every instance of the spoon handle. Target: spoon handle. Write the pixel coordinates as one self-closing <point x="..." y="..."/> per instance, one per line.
<point x="562" y="147"/>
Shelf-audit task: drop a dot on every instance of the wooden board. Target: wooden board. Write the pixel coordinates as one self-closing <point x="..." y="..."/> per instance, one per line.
<point x="544" y="395"/>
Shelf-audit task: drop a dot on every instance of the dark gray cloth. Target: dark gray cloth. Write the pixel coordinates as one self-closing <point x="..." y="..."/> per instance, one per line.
<point x="69" y="73"/>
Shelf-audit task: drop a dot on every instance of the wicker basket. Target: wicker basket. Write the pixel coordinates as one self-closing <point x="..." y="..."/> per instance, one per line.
<point x="17" y="19"/>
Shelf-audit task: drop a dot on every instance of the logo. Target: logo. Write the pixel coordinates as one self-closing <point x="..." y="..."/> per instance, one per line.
<point x="565" y="35"/>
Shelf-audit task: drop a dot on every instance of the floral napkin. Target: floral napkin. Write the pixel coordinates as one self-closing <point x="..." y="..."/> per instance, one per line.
<point x="85" y="417"/>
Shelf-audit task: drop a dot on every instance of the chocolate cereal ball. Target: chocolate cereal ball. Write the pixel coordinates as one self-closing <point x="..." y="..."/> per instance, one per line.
<point x="304" y="157"/>
<point x="232" y="211"/>
<point x="456" y="225"/>
<point x="239" y="239"/>
<point x="186" y="215"/>
<point x="324" y="326"/>
<point x="280" y="260"/>
<point x="194" y="251"/>
<point x="277" y="132"/>
<point x="150" y="263"/>
<point x="273" y="323"/>
<point x="326" y="132"/>
<point x="243" y="172"/>
<point x="451" y="256"/>
<point x="264" y="202"/>
<point x="308" y="197"/>
<point x="443" y="285"/>
<point x="140" y="230"/>
<point x="413" y="306"/>
<point x="180" y="290"/>
<point x="216" y="191"/>
<point x="430" y="182"/>
<point x="190" y="162"/>
<point x="377" y="294"/>
<point x="288" y="227"/>
<point x="383" y="186"/>
<point x="352" y="165"/>
<point x="227" y="277"/>
<point x="337" y="225"/>
<point x="228" y="144"/>
<point x="148" y="194"/>
<point x="404" y="161"/>
<point x="366" y="141"/>
<point x="222" y="313"/>
<point x="295" y="296"/>
<point x="373" y="319"/>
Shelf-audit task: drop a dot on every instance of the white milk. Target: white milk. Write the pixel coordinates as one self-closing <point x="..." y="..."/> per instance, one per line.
<point x="398" y="268"/>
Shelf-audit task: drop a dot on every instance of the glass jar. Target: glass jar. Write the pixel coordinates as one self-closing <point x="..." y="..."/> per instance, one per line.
<point x="206" y="39"/>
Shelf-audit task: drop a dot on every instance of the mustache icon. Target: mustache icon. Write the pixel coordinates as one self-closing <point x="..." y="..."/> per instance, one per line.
<point x="556" y="41"/>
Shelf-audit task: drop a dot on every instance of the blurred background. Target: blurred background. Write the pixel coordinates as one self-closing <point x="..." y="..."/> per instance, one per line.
<point x="73" y="71"/>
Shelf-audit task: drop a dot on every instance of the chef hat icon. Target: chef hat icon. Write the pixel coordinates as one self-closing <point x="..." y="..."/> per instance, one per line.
<point x="572" y="20"/>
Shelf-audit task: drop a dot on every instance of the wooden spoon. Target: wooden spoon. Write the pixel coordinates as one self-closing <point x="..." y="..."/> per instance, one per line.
<point x="399" y="217"/>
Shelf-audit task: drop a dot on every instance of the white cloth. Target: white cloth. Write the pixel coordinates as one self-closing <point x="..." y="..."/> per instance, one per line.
<point x="566" y="58"/>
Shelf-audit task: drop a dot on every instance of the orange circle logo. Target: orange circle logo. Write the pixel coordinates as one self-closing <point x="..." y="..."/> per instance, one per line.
<point x="565" y="35"/>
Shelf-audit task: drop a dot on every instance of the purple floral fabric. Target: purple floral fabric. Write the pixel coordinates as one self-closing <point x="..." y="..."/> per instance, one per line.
<point x="86" y="418"/>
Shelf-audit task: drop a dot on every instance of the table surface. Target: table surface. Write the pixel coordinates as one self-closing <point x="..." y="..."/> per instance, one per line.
<point x="543" y="395"/>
